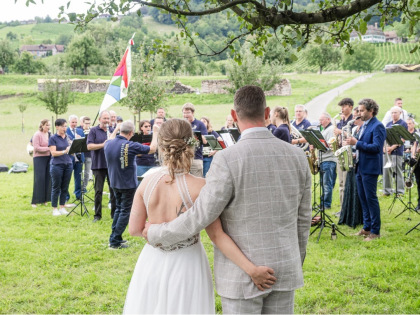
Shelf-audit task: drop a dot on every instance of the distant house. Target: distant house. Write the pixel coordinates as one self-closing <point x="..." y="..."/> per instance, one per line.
<point x="392" y="37"/>
<point x="373" y="35"/>
<point x="43" y="50"/>
<point x="26" y="22"/>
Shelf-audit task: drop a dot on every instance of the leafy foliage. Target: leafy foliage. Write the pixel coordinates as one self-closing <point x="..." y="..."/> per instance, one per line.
<point x="7" y="55"/>
<point x="323" y="55"/>
<point x="361" y="59"/>
<point x="252" y="71"/>
<point x="146" y="91"/>
<point x="56" y="96"/>
<point x="83" y="52"/>
<point x="27" y="64"/>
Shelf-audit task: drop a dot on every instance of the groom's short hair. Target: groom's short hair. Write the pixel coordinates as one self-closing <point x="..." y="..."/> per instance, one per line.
<point x="249" y="102"/>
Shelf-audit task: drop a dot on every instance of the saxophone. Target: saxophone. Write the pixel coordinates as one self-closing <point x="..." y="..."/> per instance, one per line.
<point x="345" y="155"/>
<point x="312" y="161"/>
<point x="333" y="143"/>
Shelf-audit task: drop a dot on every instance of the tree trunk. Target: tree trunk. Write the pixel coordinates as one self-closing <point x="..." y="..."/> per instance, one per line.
<point x="320" y="69"/>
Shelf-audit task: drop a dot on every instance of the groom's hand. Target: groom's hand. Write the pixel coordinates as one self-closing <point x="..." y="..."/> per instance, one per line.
<point x="263" y="277"/>
<point x="146" y="228"/>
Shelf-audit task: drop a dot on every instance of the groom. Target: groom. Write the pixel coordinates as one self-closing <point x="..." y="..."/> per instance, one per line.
<point x="261" y="189"/>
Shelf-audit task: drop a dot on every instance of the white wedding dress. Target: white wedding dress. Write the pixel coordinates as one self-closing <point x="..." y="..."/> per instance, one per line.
<point x="174" y="279"/>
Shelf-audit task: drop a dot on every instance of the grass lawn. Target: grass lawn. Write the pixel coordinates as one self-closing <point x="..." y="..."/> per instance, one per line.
<point x="62" y="264"/>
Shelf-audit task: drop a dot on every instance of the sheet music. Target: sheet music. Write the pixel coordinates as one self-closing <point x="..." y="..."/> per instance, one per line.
<point x="227" y="139"/>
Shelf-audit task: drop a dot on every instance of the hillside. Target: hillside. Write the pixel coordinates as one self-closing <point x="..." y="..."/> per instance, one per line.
<point x="385" y="54"/>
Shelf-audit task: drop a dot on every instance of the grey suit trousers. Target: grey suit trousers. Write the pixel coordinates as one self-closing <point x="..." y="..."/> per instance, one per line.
<point x="274" y="302"/>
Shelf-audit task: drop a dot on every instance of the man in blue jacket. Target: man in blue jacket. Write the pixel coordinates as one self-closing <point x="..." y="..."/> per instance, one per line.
<point x="369" y="158"/>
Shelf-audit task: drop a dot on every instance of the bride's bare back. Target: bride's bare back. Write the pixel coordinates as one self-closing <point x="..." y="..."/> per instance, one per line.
<point x="165" y="203"/>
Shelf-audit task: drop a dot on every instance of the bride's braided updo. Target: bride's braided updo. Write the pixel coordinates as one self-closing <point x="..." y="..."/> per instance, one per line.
<point x="174" y="150"/>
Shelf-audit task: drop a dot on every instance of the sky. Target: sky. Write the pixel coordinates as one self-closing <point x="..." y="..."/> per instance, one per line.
<point x="19" y="11"/>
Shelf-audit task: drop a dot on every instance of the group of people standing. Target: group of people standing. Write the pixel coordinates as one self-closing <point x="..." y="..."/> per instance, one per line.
<point x="359" y="128"/>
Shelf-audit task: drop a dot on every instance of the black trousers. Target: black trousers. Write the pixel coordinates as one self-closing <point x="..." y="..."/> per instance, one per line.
<point x="100" y="176"/>
<point x="417" y="173"/>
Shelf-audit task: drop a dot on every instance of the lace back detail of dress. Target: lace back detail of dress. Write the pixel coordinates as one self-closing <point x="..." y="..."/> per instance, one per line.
<point x="181" y="184"/>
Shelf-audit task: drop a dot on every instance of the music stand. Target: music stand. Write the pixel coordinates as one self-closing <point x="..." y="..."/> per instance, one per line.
<point x="80" y="146"/>
<point x="393" y="137"/>
<point x="315" y="138"/>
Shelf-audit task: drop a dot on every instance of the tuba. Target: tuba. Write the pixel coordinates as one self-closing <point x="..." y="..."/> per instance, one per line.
<point x="295" y="134"/>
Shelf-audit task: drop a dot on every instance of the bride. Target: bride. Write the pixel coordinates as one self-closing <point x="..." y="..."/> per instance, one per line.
<point x="177" y="279"/>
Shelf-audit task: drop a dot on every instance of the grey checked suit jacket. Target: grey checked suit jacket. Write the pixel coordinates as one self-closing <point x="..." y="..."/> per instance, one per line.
<point x="261" y="189"/>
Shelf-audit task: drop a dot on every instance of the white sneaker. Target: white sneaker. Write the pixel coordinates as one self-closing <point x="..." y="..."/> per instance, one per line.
<point x="56" y="212"/>
<point x="63" y="211"/>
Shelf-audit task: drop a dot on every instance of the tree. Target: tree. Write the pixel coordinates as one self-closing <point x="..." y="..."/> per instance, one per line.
<point x="323" y="55"/>
<point x="146" y="92"/>
<point x="82" y="53"/>
<point x="22" y="108"/>
<point x="361" y="59"/>
<point x="252" y="72"/>
<point x="56" y="95"/>
<point x="10" y="35"/>
<point x="327" y="21"/>
<point x="27" y="64"/>
<point x="7" y="55"/>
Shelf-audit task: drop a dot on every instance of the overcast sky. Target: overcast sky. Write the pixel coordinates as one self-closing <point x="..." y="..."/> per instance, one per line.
<point x="10" y="11"/>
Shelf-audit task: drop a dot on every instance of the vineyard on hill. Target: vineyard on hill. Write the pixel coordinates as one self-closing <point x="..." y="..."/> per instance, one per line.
<point x="386" y="53"/>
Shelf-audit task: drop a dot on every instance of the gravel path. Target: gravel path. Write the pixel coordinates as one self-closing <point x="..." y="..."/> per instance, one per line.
<point x="319" y="104"/>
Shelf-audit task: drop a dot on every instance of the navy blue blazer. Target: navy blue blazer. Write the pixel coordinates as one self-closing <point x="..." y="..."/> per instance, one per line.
<point x="71" y="137"/>
<point x="370" y="146"/>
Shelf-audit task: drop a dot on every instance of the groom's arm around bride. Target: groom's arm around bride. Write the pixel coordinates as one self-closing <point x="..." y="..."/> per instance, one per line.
<point x="261" y="190"/>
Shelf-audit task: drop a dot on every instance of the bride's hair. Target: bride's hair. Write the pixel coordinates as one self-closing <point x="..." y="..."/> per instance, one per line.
<point x="175" y="150"/>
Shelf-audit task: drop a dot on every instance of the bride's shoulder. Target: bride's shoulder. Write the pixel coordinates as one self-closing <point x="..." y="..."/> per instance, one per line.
<point x="196" y="181"/>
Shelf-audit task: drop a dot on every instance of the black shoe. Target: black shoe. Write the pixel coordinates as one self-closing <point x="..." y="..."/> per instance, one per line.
<point x="417" y="208"/>
<point x="121" y="246"/>
<point x="96" y="220"/>
<point x="124" y="242"/>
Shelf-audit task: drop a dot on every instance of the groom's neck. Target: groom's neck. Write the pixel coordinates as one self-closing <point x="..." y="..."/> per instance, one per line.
<point x="244" y="125"/>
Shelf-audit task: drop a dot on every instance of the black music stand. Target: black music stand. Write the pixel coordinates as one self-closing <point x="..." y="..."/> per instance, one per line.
<point x="80" y="146"/>
<point x="315" y="138"/>
<point x="393" y="136"/>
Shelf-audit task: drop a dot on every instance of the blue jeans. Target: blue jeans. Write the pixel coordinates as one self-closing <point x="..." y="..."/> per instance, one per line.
<point x="141" y="169"/>
<point x="366" y="187"/>
<point x="328" y="178"/>
<point x="124" y="201"/>
<point x="60" y="180"/>
<point x="206" y="164"/>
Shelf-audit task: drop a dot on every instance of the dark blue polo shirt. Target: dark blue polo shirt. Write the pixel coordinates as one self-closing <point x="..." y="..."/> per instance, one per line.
<point x="282" y="132"/>
<point x="304" y="124"/>
<point x="61" y="144"/>
<point x="197" y="125"/>
<point x="344" y="122"/>
<point x="271" y="127"/>
<point x="97" y="136"/>
<point x="146" y="160"/>
<point x="120" y="155"/>
<point x="400" y="150"/>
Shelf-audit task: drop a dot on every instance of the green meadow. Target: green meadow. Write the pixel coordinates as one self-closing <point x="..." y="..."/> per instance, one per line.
<point x="62" y="264"/>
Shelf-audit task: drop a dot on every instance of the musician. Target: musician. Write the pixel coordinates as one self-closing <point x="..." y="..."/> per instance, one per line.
<point x="351" y="212"/>
<point x="414" y="162"/>
<point x="74" y="133"/>
<point x="328" y="161"/>
<point x="88" y="159"/>
<point x="120" y="154"/>
<point x="197" y="165"/>
<point x="268" y="123"/>
<point x="229" y="124"/>
<point x="346" y="105"/>
<point x="411" y="124"/>
<point x="112" y="119"/>
<point x="396" y="154"/>
<point x="368" y="166"/>
<point x="404" y="115"/>
<point x="145" y="161"/>
<point x="300" y="122"/>
<point x="208" y="155"/>
<point x="159" y="113"/>
<point x="97" y="137"/>
<point x="280" y="118"/>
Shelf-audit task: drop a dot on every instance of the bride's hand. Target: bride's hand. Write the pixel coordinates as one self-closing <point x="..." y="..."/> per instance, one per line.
<point x="146" y="228"/>
<point x="263" y="277"/>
